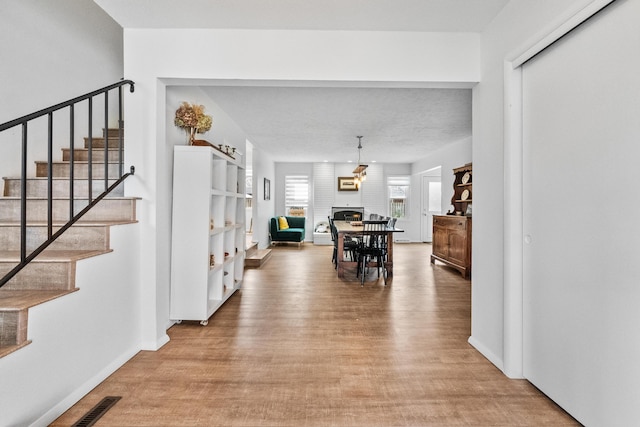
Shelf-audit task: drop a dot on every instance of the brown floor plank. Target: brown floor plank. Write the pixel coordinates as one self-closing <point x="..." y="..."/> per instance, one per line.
<point x="299" y="347"/>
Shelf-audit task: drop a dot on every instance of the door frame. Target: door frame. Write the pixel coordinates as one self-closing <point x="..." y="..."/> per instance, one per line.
<point x="424" y="214"/>
<point x="424" y="202"/>
<point x="512" y="358"/>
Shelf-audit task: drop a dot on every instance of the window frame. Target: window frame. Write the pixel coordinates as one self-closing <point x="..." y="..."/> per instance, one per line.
<point x="399" y="181"/>
<point x="295" y="201"/>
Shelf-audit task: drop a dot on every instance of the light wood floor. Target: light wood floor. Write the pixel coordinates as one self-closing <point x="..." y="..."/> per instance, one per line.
<point x="298" y="347"/>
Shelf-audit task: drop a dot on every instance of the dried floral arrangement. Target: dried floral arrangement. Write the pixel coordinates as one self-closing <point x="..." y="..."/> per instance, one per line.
<point x="192" y="118"/>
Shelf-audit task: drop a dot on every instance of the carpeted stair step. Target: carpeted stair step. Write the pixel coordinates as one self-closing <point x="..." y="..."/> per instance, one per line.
<point x="50" y="275"/>
<point x="39" y="187"/>
<point x="14" y="307"/>
<point x="97" y="154"/>
<point x="81" y="235"/>
<point x="98" y="142"/>
<point x="50" y="270"/>
<point x="114" y="132"/>
<point x="53" y="272"/>
<point x="112" y="209"/>
<point x="80" y="169"/>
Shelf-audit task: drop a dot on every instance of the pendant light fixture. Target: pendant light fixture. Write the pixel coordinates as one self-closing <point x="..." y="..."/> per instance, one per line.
<point x="360" y="172"/>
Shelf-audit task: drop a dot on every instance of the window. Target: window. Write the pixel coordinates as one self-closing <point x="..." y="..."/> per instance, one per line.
<point x="398" y="196"/>
<point x="435" y="196"/>
<point x="296" y="194"/>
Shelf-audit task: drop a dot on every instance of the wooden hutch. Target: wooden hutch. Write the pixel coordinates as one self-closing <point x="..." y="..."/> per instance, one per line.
<point x="452" y="232"/>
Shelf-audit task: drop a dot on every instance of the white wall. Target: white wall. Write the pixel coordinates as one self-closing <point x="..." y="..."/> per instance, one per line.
<point x="278" y="187"/>
<point x="580" y="317"/>
<point x="155" y="57"/>
<point x="449" y="158"/>
<point x="52" y="52"/>
<point x="518" y="23"/>
<point x="78" y="340"/>
<point x="263" y="167"/>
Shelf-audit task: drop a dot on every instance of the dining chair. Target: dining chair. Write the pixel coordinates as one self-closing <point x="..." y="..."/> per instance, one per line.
<point x="392" y="222"/>
<point x="349" y="245"/>
<point x="372" y="246"/>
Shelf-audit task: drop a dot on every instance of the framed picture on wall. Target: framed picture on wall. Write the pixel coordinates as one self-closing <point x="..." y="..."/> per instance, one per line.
<point x="267" y="189"/>
<point x="347" y="183"/>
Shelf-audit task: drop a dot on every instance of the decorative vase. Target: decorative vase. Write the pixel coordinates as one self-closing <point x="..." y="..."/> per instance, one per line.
<point x="192" y="135"/>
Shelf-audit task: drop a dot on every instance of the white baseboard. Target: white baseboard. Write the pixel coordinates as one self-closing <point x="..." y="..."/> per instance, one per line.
<point x="484" y="350"/>
<point x="84" y="389"/>
<point x="155" y="345"/>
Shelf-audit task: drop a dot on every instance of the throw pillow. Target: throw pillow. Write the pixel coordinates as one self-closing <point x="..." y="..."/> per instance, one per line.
<point x="282" y="223"/>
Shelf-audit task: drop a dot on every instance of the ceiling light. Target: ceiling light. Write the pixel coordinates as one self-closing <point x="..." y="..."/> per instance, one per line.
<point x="360" y="172"/>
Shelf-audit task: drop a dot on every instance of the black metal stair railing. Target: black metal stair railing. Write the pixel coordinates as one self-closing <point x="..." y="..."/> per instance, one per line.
<point x="71" y="104"/>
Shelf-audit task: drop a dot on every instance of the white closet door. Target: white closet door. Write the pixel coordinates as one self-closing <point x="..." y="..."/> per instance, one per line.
<point x="581" y="117"/>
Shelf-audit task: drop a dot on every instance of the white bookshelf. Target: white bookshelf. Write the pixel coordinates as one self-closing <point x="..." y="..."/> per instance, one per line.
<point x="207" y="225"/>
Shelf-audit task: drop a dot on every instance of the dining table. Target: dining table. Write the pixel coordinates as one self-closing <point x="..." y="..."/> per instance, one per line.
<point x="353" y="228"/>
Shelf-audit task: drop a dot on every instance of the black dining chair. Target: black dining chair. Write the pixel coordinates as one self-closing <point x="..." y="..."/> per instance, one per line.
<point x="372" y="246"/>
<point x="350" y="245"/>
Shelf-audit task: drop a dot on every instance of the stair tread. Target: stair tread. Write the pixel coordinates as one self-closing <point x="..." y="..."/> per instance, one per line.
<point x="8" y="349"/>
<point x="93" y="148"/>
<point x="66" y="162"/>
<point x="54" y="255"/>
<point x="259" y="254"/>
<point x="50" y="275"/>
<point x="59" y="178"/>
<point x="13" y="300"/>
<point x="79" y="223"/>
<point x="67" y="198"/>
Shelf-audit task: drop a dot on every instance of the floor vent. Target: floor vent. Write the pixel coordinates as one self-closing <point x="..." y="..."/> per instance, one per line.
<point x="98" y="411"/>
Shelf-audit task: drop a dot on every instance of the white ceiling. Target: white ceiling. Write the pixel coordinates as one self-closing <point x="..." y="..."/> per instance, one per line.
<point x="349" y="15"/>
<point x="311" y="124"/>
<point x="317" y="124"/>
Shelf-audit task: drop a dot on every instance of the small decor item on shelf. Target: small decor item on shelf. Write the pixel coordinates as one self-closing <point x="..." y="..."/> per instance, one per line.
<point x="212" y="260"/>
<point x="191" y="117"/>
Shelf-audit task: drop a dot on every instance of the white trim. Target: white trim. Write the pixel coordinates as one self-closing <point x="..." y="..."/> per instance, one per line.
<point x="512" y="363"/>
<point x="579" y="13"/>
<point x="73" y="398"/>
<point x="155" y="345"/>
<point x="486" y="352"/>
<point x="513" y="228"/>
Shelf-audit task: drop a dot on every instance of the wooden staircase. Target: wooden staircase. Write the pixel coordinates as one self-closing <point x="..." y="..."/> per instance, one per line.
<point x="52" y="273"/>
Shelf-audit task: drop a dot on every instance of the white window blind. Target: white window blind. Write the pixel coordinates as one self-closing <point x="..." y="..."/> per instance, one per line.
<point x="398" y="187"/>
<point x="296" y="194"/>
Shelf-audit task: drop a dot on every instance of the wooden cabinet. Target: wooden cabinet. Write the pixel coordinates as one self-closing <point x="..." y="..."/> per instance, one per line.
<point x="208" y="232"/>
<point x="452" y="232"/>
<point x="452" y="242"/>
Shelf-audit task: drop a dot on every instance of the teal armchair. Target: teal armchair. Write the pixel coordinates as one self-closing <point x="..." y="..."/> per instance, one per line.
<point x="295" y="233"/>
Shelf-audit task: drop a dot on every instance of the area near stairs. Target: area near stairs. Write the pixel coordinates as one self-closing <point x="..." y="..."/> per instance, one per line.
<point x="52" y="273"/>
<point x="256" y="258"/>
